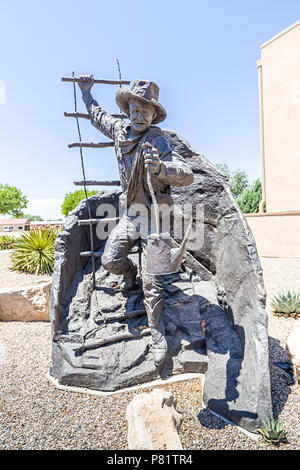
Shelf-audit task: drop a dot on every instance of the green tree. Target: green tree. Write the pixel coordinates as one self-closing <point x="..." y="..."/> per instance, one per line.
<point x="34" y="218"/>
<point x="224" y="168"/>
<point x="238" y="179"/>
<point x="73" y="199"/>
<point x="250" y="198"/>
<point x="12" y="201"/>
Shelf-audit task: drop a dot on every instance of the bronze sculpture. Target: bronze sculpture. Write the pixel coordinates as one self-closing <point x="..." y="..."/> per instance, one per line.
<point x="140" y="148"/>
<point x="213" y="308"/>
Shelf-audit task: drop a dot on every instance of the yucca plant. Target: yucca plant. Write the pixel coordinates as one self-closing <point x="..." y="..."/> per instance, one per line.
<point x="273" y="432"/>
<point x="6" y="242"/>
<point x="34" y="252"/>
<point x="286" y="304"/>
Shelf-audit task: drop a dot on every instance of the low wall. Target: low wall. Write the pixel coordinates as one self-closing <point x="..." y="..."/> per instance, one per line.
<point x="277" y="234"/>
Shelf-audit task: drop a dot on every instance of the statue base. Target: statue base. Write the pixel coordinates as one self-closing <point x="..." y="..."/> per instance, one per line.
<point x="93" y="353"/>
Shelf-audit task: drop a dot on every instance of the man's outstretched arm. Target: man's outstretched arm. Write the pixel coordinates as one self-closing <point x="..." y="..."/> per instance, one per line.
<point x="99" y="118"/>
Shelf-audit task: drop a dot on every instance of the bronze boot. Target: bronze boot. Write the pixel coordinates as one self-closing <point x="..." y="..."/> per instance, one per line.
<point x="129" y="278"/>
<point x="156" y="323"/>
<point x="159" y="344"/>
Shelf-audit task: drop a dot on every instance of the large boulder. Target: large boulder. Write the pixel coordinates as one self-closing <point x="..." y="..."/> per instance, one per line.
<point x="215" y="316"/>
<point x="153" y="422"/>
<point x="293" y="349"/>
<point x="237" y="382"/>
<point x="27" y="303"/>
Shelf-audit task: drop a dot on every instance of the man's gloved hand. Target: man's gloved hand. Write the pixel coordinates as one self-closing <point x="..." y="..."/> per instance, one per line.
<point x="86" y="82"/>
<point x="151" y="158"/>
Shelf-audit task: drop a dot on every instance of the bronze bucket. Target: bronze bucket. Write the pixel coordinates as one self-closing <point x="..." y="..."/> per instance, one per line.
<point x="161" y="258"/>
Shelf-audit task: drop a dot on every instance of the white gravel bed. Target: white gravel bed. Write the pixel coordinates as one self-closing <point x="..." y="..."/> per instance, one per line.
<point x="36" y="415"/>
<point x="280" y="274"/>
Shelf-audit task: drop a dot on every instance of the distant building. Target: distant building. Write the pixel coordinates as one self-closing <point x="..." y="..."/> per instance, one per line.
<point x="14" y="225"/>
<point x="54" y="224"/>
<point x="19" y="225"/>
<point x="277" y="232"/>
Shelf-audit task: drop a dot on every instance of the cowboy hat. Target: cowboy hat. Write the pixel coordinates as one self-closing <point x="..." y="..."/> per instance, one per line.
<point x="144" y="91"/>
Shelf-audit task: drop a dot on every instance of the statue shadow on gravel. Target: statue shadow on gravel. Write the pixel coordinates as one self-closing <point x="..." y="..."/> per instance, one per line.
<point x="225" y="348"/>
<point x="281" y="378"/>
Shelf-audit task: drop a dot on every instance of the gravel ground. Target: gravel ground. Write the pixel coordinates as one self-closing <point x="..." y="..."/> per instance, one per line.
<point x="280" y="274"/>
<point x="35" y="415"/>
<point x="10" y="278"/>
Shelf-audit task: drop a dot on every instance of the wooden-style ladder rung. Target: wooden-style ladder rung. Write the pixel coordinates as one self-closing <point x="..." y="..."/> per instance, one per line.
<point x="91" y="253"/>
<point x="96" y="221"/>
<point x="91" y="144"/>
<point x="125" y="315"/>
<point x="100" y="253"/>
<point x="97" y="183"/>
<point x="94" y="344"/>
<point x="96" y="80"/>
<point x="87" y="116"/>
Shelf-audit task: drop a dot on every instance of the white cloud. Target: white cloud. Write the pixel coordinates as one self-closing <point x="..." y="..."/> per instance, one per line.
<point x="46" y="208"/>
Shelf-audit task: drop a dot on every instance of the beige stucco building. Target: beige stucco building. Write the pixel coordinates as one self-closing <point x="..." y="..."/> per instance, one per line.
<point x="277" y="232"/>
<point x="14" y="225"/>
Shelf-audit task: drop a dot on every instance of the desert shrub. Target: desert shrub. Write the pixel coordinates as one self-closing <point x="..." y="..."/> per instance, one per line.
<point x="6" y="242"/>
<point x="273" y="432"/>
<point x="286" y="304"/>
<point x="34" y="252"/>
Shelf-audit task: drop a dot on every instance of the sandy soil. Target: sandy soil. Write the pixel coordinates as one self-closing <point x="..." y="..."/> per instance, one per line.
<point x="10" y="278"/>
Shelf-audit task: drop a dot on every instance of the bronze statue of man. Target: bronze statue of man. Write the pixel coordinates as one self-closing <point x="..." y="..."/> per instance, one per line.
<point x="139" y="146"/>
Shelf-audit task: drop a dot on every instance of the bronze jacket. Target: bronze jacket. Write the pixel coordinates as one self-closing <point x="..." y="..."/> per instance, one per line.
<point x="173" y="169"/>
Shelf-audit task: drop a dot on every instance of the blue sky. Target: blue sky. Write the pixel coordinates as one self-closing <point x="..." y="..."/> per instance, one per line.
<point x="202" y="54"/>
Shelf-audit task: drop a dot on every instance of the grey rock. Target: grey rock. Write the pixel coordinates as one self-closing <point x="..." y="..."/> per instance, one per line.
<point x="25" y="303"/>
<point x="153" y="422"/>
<point x="237" y="382"/>
<point x="293" y="349"/>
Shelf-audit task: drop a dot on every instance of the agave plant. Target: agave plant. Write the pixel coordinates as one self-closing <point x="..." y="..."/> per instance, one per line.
<point x="287" y="304"/>
<point x="273" y="432"/>
<point x="6" y="242"/>
<point x="34" y="252"/>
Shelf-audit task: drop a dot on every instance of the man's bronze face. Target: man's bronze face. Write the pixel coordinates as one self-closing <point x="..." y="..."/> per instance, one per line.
<point x="141" y="115"/>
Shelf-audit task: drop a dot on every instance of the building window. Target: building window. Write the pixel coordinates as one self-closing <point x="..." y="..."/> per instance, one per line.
<point x="21" y="228"/>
